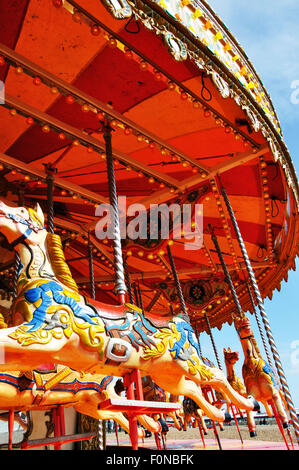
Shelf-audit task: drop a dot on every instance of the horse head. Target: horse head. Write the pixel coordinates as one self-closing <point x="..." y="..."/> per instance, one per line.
<point x="230" y="357"/>
<point x="242" y="325"/>
<point x="20" y="225"/>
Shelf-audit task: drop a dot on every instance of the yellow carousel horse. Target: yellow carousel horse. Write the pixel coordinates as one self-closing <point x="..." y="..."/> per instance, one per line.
<point x="56" y="324"/>
<point x="230" y="359"/>
<point x="259" y="378"/>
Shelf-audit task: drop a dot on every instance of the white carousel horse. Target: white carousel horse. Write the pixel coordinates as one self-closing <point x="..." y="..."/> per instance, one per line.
<point x="61" y="326"/>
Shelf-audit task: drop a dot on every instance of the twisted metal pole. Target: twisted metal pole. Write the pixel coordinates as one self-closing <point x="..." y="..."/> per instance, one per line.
<point x="91" y="271"/>
<point x="259" y="327"/>
<point x="197" y="337"/>
<point x="50" y="192"/>
<point x="178" y="285"/>
<point x="140" y="297"/>
<point x="264" y="316"/>
<point x="226" y="272"/>
<point x="120" y="285"/>
<point x="17" y="265"/>
<point x="128" y="282"/>
<point x="101" y="423"/>
<point x="212" y="340"/>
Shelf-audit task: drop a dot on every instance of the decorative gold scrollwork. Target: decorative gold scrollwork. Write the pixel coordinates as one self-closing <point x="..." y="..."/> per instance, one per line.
<point x="120" y="9"/>
<point x="176" y="47"/>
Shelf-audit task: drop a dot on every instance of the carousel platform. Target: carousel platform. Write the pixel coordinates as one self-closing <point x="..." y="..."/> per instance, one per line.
<point x="196" y="444"/>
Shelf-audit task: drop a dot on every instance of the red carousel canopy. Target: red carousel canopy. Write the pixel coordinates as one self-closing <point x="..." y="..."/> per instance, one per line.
<point x="189" y="115"/>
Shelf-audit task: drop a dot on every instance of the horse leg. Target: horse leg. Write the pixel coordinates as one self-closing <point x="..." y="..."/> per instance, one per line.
<point x="251" y="424"/>
<point x="175" y="420"/>
<point x="149" y="423"/>
<point x="180" y="385"/>
<point x="280" y="409"/>
<point x="220" y="383"/>
<point x="202" y="421"/>
<point x="120" y="419"/>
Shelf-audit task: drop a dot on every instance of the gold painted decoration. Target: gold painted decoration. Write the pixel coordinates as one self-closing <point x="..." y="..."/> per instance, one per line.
<point x="66" y="323"/>
<point x="197" y="366"/>
<point x="167" y="337"/>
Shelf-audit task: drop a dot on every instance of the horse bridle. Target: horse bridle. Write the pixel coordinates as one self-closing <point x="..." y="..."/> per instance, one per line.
<point x="24" y="236"/>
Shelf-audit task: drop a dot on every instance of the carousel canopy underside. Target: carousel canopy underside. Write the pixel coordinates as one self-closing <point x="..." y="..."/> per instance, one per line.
<point x="177" y="138"/>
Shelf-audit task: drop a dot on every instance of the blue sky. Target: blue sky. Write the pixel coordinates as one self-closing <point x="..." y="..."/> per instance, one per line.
<point x="268" y="32"/>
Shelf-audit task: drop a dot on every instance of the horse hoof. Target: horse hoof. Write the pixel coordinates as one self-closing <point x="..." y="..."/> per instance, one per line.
<point x="228" y="417"/>
<point x="285" y="425"/>
<point x="253" y="434"/>
<point x="256" y="405"/>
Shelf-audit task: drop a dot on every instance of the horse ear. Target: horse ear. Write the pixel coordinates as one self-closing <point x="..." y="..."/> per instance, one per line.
<point x="39" y="212"/>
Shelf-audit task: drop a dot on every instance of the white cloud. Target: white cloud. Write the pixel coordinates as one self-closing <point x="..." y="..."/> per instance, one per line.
<point x="267" y="31"/>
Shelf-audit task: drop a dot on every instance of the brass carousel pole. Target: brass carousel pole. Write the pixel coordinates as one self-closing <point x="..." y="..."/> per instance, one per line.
<point x="264" y="316"/>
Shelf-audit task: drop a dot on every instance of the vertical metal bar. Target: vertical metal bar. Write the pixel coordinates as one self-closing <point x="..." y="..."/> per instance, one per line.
<point x="212" y="341"/>
<point x="136" y="295"/>
<point x="91" y="271"/>
<point x="153" y="301"/>
<point x="50" y="192"/>
<point x="197" y="337"/>
<point x="128" y="282"/>
<point x="259" y="327"/>
<point x="101" y="423"/>
<point x="178" y="285"/>
<point x="120" y="285"/>
<point x="140" y="297"/>
<point x="264" y="316"/>
<point x="226" y="272"/>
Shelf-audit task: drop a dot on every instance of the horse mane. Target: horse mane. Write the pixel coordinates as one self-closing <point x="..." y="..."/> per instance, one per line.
<point x="58" y="262"/>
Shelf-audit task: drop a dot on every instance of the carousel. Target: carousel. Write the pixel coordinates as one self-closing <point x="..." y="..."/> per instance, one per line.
<point x="147" y="196"/>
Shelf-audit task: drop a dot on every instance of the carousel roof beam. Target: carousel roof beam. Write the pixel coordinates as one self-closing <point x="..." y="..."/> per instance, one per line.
<point x="95" y="21"/>
<point x="188" y="183"/>
<point x="181" y="272"/>
<point x="89" y="141"/>
<point x="40" y="174"/>
<point x="34" y="70"/>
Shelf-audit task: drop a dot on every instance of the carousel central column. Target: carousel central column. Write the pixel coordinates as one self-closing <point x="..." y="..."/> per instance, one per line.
<point x="264" y="316"/>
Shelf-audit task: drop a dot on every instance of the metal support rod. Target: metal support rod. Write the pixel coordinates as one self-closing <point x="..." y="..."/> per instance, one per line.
<point x="101" y="423"/>
<point x="140" y="297"/>
<point x="264" y="316"/>
<point x="178" y="285"/>
<point x="91" y="271"/>
<point x="197" y="337"/>
<point x="153" y="301"/>
<point x="17" y="263"/>
<point x="50" y="191"/>
<point x="226" y="272"/>
<point x="128" y="282"/>
<point x="212" y="341"/>
<point x="259" y="327"/>
<point x="136" y="295"/>
<point x="16" y="275"/>
<point x="120" y="285"/>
